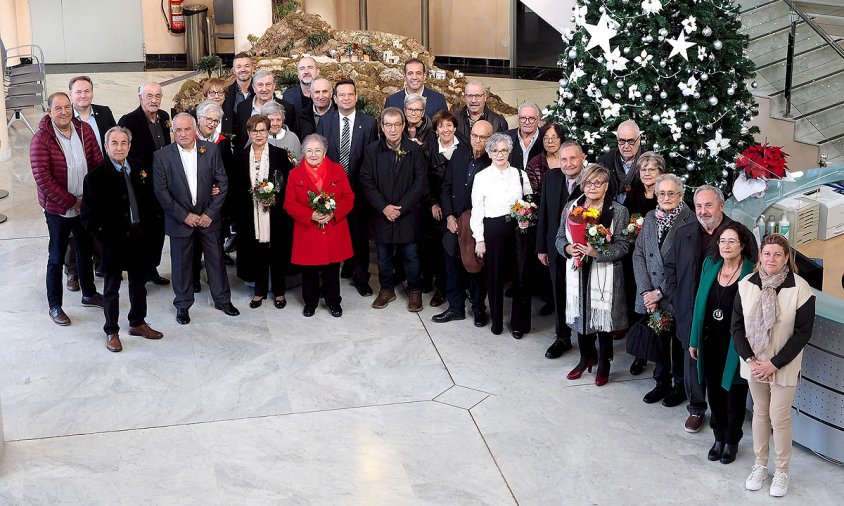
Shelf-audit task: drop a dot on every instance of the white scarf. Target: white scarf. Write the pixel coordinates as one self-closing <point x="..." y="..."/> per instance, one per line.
<point x="600" y="286"/>
<point x="260" y="172"/>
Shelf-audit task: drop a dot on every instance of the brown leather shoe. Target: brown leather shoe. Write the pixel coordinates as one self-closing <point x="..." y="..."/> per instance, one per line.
<point x="383" y="299"/>
<point x="145" y="331"/>
<point x="72" y="283"/>
<point x="414" y="301"/>
<point x="694" y="423"/>
<point x="438" y="299"/>
<point x="59" y="317"/>
<point x="113" y="343"/>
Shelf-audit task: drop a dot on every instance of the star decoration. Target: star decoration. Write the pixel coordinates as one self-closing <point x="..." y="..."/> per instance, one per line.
<point x="601" y="33"/>
<point x="679" y="46"/>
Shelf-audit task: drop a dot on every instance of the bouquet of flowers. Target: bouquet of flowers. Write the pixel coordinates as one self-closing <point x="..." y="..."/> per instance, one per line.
<point x="264" y="193"/>
<point x="524" y="211"/>
<point x="322" y="202"/>
<point x="599" y="237"/>
<point x="635" y="226"/>
<point x="577" y="221"/>
<point x="763" y="161"/>
<point x="660" y="321"/>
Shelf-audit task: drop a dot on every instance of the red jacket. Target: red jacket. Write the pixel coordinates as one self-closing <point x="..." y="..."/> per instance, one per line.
<point x="49" y="166"/>
<point x="311" y="244"/>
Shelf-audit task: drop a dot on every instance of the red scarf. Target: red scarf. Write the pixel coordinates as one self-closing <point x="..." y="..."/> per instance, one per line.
<point x="317" y="174"/>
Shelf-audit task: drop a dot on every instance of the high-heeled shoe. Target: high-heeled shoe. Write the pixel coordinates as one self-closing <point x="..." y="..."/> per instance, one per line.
<point x="602" y="375"/>
<point x="581" y="366"/>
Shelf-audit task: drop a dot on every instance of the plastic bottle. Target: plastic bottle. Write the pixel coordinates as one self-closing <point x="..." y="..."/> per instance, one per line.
<point x="760" y="225"/>
<point x="785" y="226"/>
<point x="771" y="228"/>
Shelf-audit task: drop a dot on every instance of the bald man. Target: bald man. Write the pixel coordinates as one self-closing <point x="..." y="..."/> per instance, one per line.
<point x="150" y="132"/>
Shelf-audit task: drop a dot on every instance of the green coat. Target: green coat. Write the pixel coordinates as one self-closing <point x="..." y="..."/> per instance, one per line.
<point x="708" y="277"/>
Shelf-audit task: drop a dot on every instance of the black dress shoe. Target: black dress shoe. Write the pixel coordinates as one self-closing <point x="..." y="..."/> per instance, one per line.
<point x="227" y="259"/>
<point x="676" y="397"/>
<point x="95" y="300"/>
<point x="546" y="309"/>
<point x="197" y="287"/>
<point x="336" y="311"/>
<point x="517" y="334"/>
<point x="156" y="279"/>
<point x="182" y="316"/>
<point x="638" y="366"/>
<point x="560" y="346"/>
<point x="481" y="319"/>
<point x="309" y="310"/>
<point x="447" y="316"/>
<point x="716" y="451"/>
<point x="497" y="329"/>
<point x="255" y="303"/>
<point x="729" y="454"/>
<point x="657" y="394"/>
<point x="363" y="289"/>
<point x="280" y="303"/>
<point x="227" y="308"/>
<point x="99" y="274"/>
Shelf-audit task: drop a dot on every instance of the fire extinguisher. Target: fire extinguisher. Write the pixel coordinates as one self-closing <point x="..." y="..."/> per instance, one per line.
<point x="176" y="21"/>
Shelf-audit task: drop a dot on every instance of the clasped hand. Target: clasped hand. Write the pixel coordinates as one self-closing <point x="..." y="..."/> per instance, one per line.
<point x="762" y="371"/>
<point x="195" y="220"/>
<point x="320" y="218"/>
<point x="392" y="212"/>
<point x="580" y="250"/>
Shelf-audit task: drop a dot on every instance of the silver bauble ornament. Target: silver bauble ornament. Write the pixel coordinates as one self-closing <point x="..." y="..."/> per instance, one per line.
<point x="656" y="87"/>
<point x="744" y="130"/>
<point x="701" y="153"/>
<point x="591" y="151"/>
<point x="704" y="77"/>
<point x="604" y="82"/>
<point x="619" y="83"/>
<point x="648" y="39"/>
<point x="662" y="64"/>
<point x="672" y="154"/>
<point x="572" y="54"/>
<point x="648" y="97"/>
<point x="709" y="126"/>
<point x="717" y="45"/>
<point x="687" y="125"/>
<point x="606" y="149"/>
<point x="586" y="115"/>
<point x="663" y="32"/>
<point x="572" y="19"/>
<point x="706" y="31"/>
<point x="655" y="118"/>
<point x="713" y="101"/>
<point x="682" y="147"/>
<point x="564" y="82"/>
<point x="617" y="95"/>
<point x="626" y="50"/>
<point x="720" y="131"/>
<point x="656" y="146"/>
<point x="603" y="129"/>
<point x="690" y="166"/>
<point x="731" y="91"/>
<point x="684" y="107"/>
<point x="696" y="95"/>
<point x="754" y="84"/>
<point x="663" y="95"/>
<point x="700" y="130"/>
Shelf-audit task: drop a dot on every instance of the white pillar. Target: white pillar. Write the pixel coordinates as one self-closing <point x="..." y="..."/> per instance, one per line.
<point x="24" y="22"/>
<point x="5" y="149"/>
<point x="9" y="26"/>
<point x="2" y="440"/>
<point x="251" y="17"/>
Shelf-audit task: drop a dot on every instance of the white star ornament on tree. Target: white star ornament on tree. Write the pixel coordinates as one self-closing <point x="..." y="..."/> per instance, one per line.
<point x="679" y="46"/>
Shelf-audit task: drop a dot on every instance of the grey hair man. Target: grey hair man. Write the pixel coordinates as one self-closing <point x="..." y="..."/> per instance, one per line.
<point x="526" y="143"/>
<point x="476" y="94"/>
<point x="622" y="160"/>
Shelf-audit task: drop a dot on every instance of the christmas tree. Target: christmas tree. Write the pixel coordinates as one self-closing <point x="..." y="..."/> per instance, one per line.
<point x="676" y="67"/>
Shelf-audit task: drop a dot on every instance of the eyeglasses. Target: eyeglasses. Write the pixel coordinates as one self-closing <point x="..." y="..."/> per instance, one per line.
<point x="476" y="137"/>
<point x="629" y="142"/>
<point x="666" y="195"/>
<point x="550" y="139"/>
<point x="392" y="126"/>
<point x="594" y="184"/>
<point x="215" y="92"/>
<point x="648" y="170"/>
<point x="503" y="151"/>
<point x="726" y="242"/>
<point x="314" y="151"/>
<point x="475" y="96"/>
<point x="528" y="119"/>
<point x="414" y="110"/>
<point x="262" y="131"/>
<point x="211" y="121"/>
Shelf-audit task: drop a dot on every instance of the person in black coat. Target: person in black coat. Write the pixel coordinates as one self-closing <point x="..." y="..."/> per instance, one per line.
<point x="692" y="243"/>
<point x="394" y="180"/>
<point x="238" y="91"/>
<point x="558" y="188"/>
<point x="476" y="109"/>
<point x="363" y="131"/>
<point x="528" y="130"/>
<point x="299" y="96"/>
<point x="117" y="199"/>
<point x="265" y="236"/>
<point x="622" y="161"/>
<point x="414" y="83"/>
<point x="150" y="129"/>
<point x="319" y="106"/>
<point x="263" y="84"/>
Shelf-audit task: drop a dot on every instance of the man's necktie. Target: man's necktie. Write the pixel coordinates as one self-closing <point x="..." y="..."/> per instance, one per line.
<point x="133" y="202"/>
<point x="345" y="144"/>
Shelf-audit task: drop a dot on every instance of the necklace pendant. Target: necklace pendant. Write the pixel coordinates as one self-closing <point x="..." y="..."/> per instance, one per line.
<point x="718" y="315"/>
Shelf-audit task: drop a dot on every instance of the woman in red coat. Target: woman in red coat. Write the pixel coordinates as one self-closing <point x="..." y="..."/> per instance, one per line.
<point x="320" y="240"/>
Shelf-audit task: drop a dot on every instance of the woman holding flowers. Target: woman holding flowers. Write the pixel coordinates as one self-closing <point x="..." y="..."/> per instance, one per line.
<point x="652" y="245"/>
<point x="319" y="198"/>
<point x="495" y="192"/>
<point x="593" y="242"/>
<point x="264" y="230"/>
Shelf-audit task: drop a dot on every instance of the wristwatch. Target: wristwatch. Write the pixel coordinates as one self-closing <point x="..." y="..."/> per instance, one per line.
<point x="749" y="360"/>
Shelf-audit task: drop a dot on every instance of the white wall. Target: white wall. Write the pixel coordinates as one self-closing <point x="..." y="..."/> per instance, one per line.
<point x="555" y="12"/>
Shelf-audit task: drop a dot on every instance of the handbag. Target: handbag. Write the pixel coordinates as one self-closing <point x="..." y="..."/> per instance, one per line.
<point x="642" y="342"/>
<point x="471" y="262"/>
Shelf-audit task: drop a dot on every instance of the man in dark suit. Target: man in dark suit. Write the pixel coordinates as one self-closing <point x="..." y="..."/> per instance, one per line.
<point x="526" y="141"/>
<point x="238" y="91"/>
<point x="458" y="179"/>
<point x="184" y="175"/>
<point x="150" y="127"/>
<point x="621" y="161"/>
<point x="558" y="188"/>
<point x="414" y="83"/>
<point x="114" y="210"/>
<point x="476" y="109"/>
<point x="348" y="151"/>
<point x="299" y="96"/>
<point x="320" y="106"/>
<point x="692" y="243"/>
<point x="263" y="83"/>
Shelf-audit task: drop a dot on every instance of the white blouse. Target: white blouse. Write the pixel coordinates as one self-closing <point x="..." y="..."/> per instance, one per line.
<point x="493" y="194"/>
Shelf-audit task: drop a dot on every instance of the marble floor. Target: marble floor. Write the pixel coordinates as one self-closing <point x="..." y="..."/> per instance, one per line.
<point x="378" y="407"/>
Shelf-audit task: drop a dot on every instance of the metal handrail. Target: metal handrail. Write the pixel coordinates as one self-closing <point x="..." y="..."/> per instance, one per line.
<point x="815" y="26"/>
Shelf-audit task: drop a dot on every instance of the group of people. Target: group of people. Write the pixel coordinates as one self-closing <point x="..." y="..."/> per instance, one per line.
<point x="302" y="183"/>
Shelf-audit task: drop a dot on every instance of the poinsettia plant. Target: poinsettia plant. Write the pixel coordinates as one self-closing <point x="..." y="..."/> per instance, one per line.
<point x="763" y="160"/>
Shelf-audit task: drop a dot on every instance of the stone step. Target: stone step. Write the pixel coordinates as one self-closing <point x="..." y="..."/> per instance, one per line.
<point x="822" y="126"/>
<point x="809" y="67"/>
<point x="773" y="48"/>
<point x="748" y="5"/>
<point x="820" y="94"/>
<point x="834" y="151"/>
<point x="765" y="19"/>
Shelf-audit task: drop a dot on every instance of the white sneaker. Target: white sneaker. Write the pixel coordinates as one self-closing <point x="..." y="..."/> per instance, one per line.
<point x="779" y="485"/>
<point x="757" y="476"/>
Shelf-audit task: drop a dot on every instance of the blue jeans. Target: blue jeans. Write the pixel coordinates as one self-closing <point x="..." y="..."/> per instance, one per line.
<point x="59" y="229"/>
<point x="386" y="256"/>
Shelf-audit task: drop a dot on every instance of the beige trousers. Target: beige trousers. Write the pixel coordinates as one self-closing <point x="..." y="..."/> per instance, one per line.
<point x="772" y="410"/>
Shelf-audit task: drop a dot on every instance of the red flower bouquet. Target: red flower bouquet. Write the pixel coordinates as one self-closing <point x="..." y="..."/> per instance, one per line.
<point x="577" y="221"/>
<point x="762" y="160"/>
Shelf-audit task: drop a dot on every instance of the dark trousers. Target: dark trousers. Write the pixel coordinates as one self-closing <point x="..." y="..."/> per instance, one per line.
<point x="358" y="229"/>
<point x="588" y="352"/>
<point x="695" y="390"/>
<point x="557" y="272"/>
<point x="60" y="229"/>
<point x="154" y="240"/>
<point x="456" y="281"/>
<point x="526" y="277"/>
<point x="269" y="267"/>
<point x="330" y="289"/>
<point x="386" y="263"/>
<point x="181" y="258"/>
<point x="137" y="299"/>
<point x="500" y="262"/>
<point x="670" y="362"/>
<point x="727" y="408"/>
<point x="431" y="255"/>
<point x="70" y="256"/>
